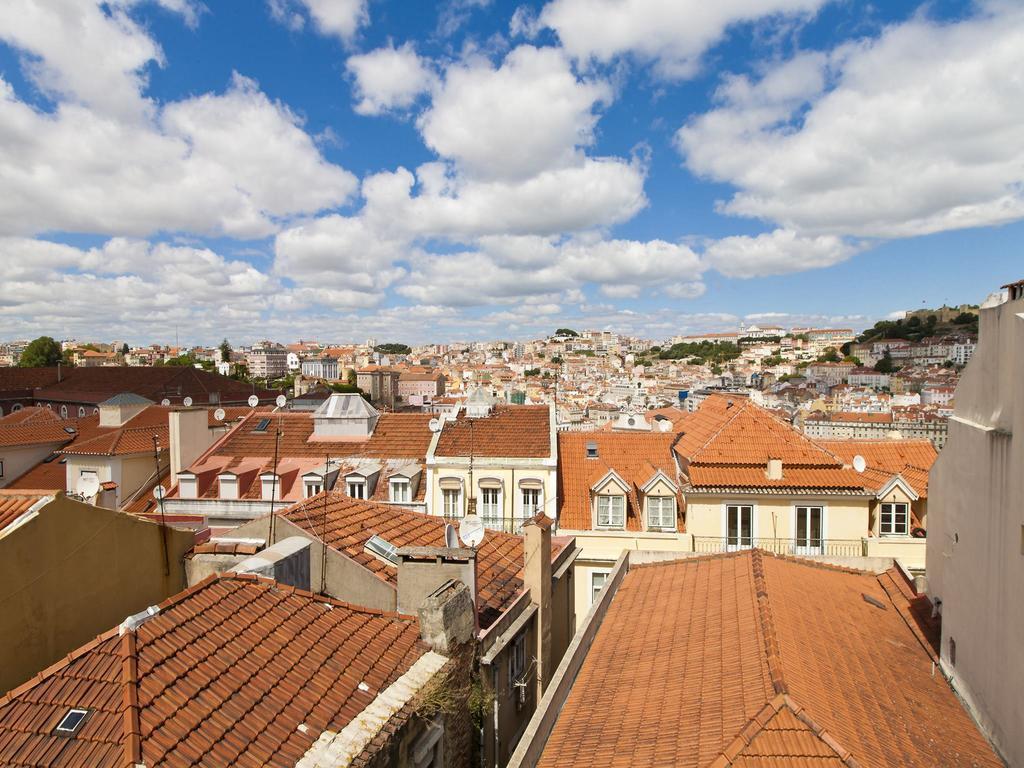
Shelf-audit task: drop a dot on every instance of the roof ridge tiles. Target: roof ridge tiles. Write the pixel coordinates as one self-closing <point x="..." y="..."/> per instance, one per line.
<point x="764" y="613"/>
<point x="130" y="680"/>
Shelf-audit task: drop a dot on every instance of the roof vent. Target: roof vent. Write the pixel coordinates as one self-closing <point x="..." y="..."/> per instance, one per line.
<point x="591" y="450"/>
<point x="136" y="620"/>
<point x="873" y="600"/>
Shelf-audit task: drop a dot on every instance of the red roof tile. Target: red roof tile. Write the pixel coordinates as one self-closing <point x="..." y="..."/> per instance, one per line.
<point x="134" y="436"/>
<point x="227" y="673"/>
<point x="518" y="431"/>
<point x="753" y="660"/>
<point x="346" y="524"/>
<point x="34" y="426"/>
<point x="13" y="504"/>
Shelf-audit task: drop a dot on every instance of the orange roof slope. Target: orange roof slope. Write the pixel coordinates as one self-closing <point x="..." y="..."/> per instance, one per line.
<point x="13" y="504"/>
<point x="34" y="426"/>
<point x="134" y="436"/>
<point x="635" y="457"/>
<point x="227" y="673"/>
<point x="912" y="459"/>
<point x="748" y="659"/>
<point x="521" y="431"/>
<point x="346" y="524"/>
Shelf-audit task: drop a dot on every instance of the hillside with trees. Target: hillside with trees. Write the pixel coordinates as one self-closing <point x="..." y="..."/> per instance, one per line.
<point x="703" y="352"/>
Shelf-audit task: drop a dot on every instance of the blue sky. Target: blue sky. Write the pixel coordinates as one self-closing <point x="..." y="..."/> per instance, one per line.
<point x="344" y="169"/>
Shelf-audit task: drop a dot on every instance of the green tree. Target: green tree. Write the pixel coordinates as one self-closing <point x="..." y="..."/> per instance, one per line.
<point x="566" y="332"/>
<point x="556" y="360"/>
<point x="885" y="365"/>
<point x="125" y="349"/>
<point x="225" y="351"/>
<point x="43" y="352"/>
<point x="830" y="355"/>
<point x="393" y="349"/>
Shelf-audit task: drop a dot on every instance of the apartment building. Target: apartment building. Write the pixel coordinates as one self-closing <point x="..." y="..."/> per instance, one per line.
<point x="420" y="387"/>
<point x="267" y="360"/>
<point x="495" y="459"/>
<point x="976" y="543"/>
<point x="321" y="367"/>
<point x="380" y="384"/>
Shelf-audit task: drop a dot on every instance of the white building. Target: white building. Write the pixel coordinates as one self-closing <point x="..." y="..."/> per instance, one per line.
<point x="976" y="530"/>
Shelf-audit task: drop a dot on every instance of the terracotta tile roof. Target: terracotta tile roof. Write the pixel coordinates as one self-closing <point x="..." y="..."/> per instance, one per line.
<point x="34" y="426"/>
<point x="855" y="417"/>
<point x="48" y="475"/>
<point x="516" y="431"/>
<point x="635" y="457"/>
<point x="911" y="459"/>
<point x="345" y="524"/>
<point x="793" y="478"/>
<point x="13" y="504"/>
<point x="134" y="436"/>
<point x="234" y="671"/>
<point x="753" y="660"/>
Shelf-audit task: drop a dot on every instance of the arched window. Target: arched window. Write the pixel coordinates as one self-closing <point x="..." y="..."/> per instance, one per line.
<point x="81" y="411"/>
<point x="63" y="411"/>
<point x="15" y="407"/>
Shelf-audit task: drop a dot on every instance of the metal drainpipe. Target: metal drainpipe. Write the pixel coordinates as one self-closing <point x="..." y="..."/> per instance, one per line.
<point x="497" y="739"/>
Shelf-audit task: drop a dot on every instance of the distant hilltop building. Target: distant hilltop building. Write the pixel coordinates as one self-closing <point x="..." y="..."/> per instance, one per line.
<point x="944" y="314"/>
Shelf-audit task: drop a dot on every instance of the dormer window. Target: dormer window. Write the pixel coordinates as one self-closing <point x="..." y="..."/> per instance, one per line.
<point x="356" y="489"/>
<point x="228" y="485"/>
<point x="895" y="520"/>
<point x="271" y="487"/>
<point x="188" y="485"/>
<point x="401" y="492"/>
<point x="611" y="511"/>
<point x="313" y="487"/>
<point x="661" y="512"/>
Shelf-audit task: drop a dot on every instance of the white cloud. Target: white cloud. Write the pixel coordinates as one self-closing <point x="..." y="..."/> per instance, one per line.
<point x="336" y="18"/>
<point x="233" y="163"/>
<point x="913" y="132"/>
<point x="672" y="33"/>
<point x="389" y="78"/>
<point x="527" y="116"/>
<point x="775" y="253"/>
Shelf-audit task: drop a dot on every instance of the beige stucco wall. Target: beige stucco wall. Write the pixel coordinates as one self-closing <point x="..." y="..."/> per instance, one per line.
<point x="17" y="460"/>
<point x="129" y="472"/>
<point x="508" y="471"/>
<point x="73" y="572"/>
<point x="976" y="531"/>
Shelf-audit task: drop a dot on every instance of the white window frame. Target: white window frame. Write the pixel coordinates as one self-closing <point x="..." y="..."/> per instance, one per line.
<point x="188" y="485"/>
<point x="803" y="546"/>
<point x="352" y="485"/>
<point x="595" y="590"/>
<point x="531" y="508"/>
<point x="517" y="658"/>
<point x="662" y="525"/>
<point x="269" y="489"/>
<point x="892" y="526"/>
<point x="400" y="490"/>
<point x="490" y="507"/>
<point x="740" y="539"/>
<point x="313" y="487"/>
<point x="63" y="411"/>
<point x="227" y="482"/>
<point x="451" y="502"/>
<point x="612" y="523"/>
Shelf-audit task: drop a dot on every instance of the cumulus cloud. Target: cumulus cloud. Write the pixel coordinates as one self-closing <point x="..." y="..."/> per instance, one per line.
<point x="336" y="18"/>
<point x="671" y="33"/>
<point x="775" y="253"/>
<point x="913" y="132"/>
<point x="528" y="115"/>
<point x="233" y="163"/>
<point x="389" y="78"/>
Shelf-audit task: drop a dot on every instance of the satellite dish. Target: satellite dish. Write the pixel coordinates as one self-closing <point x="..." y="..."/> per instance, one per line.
<point x="281" y="401"/>
<point x="159" y="492"/>
<point x="450" y="539"/>
<point x="89" y="486"/>
<point x="665" y="425"/>
<point x="859" y="463"/>
<point x="219" y="414"/>
<point x="253" y="401"/>
<point x="165" y="401"/>
<point x="187" y="402"/>
<point x="435" y="425"/>
<point x="471" y="530"/>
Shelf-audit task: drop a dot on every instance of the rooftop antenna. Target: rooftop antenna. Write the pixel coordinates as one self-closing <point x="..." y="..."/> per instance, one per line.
<point x="160" y="506"/>
<point x="273" y="484"/>
<point x="859" y="463"/>
<point x="471" y="531"/>
<point x="323" y="530"/>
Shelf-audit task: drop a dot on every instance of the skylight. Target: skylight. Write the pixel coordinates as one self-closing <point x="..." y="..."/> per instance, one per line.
<point x="382" y="548"/>
<point x="262" y="426"/>
<point x="72" y="721"/>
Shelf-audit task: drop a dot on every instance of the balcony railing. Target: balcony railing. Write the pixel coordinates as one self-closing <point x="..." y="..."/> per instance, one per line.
<point x="827" y="547"/>
<point x="504" y="524"/>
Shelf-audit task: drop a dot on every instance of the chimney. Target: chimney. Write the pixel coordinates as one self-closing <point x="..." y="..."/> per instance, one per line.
<point x="537" y="579"/>
<point x="190" y="435"/>
<point x="286" y="562"/>
<point x="774" y="469"/>
<point x="423" y="570"/>
<point x="447" y="617"/>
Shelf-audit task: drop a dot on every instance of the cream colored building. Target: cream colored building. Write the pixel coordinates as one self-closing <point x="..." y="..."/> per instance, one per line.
<point x="497" y="460"/>
<point x="976" y="542"/>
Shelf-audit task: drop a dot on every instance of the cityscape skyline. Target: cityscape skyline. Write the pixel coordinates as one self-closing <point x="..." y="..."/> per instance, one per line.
<point x="477" y="170"/>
